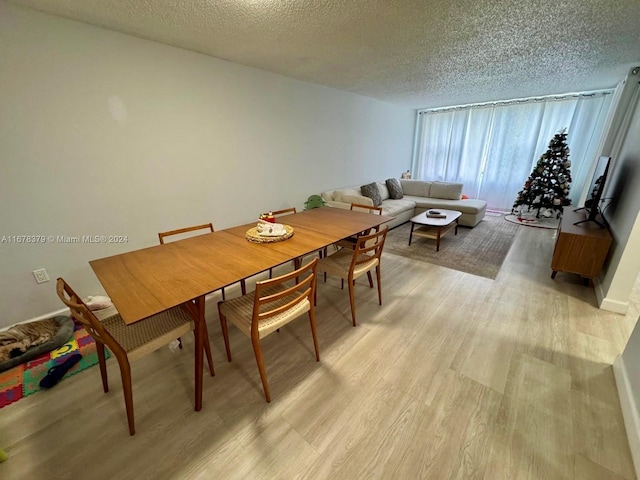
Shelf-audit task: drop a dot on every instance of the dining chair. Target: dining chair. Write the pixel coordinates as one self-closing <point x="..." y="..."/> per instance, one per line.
<point x="298" y="261"/>
<point x="188" y="230"/>
<point x="195" y="228"/>
<point x="366" y="208"/>
<point x="273" y="304"/>
<point x="279" y="213"/>
<point x="349" y="264"/>
<point x="350" y="242"/>
<point x="129" y="342"/>
<point x="284" y="211"/>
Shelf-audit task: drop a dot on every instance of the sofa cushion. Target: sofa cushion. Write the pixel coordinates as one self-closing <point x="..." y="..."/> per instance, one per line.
<point x="418" y="188"/>
<point x="446" y="190"/>
<point x="371" y="190"/>
<point x="327" y="196"/>
<point x="338" y="194"/>
<point x="358" y="199"/>
<point x="395" y="189"/>
<point x="384" y="191"/>
<point x="396" y="207"/>
<point x="465" y="206"/>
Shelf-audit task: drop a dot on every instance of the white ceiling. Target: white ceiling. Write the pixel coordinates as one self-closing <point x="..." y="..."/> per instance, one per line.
<point x="415" y="53"/>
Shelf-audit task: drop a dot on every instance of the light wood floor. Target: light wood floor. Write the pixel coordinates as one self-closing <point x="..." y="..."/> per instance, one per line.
<point x="455" y="376"/>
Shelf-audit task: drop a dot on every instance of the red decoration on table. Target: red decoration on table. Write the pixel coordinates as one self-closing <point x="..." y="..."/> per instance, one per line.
<point x="268" y="217"/>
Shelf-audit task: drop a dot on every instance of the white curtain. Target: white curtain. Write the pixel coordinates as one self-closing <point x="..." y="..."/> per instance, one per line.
<point x="492" y="148"/>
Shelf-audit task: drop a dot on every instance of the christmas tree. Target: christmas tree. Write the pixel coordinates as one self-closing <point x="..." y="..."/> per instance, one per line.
<point x="546" y="190"/>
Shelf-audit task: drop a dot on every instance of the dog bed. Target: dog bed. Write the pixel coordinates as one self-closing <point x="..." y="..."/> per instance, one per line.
<point x="65" y="331"/>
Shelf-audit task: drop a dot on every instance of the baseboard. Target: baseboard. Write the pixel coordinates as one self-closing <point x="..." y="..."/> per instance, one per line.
<point x="209" y="299"/>
<point x="62" y="311"/>
<point x="614" y="306"/>
<point x="629" y="410"/>
<point x="607" y="304"/>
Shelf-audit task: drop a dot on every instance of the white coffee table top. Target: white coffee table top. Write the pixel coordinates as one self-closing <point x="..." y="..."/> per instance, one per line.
<point x="451" y="216"/>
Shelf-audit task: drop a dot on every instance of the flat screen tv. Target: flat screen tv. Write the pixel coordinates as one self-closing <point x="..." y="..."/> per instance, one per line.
<point x="592" y="204"/>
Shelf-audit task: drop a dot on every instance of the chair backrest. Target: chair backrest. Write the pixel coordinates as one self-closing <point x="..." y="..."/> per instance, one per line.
<point x="82" y="315"/>
<point x="368" y="247"/>
<point x="368" y="208"/>
<point x="274" y="297"/>
<point x="286" y="211"/>
<point x="162" y="235"/>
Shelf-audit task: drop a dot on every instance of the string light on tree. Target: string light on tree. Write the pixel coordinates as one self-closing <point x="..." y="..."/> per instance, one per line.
<point x="546" y="190"/>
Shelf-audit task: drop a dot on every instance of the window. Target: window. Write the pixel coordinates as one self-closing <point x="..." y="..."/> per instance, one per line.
<point x="492" y="148"/>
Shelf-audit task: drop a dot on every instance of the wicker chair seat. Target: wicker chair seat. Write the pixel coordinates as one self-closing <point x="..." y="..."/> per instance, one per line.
<point x="338" y="264"/>
<point x="152" y="333"/>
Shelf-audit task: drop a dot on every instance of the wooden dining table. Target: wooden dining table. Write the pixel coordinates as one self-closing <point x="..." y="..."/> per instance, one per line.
<point x="148" y="281"/>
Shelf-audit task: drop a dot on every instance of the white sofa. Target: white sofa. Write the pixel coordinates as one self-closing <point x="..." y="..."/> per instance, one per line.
<point x="418" y="196"/>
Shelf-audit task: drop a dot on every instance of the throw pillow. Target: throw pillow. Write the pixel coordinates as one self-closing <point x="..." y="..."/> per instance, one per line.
<point x="371" y="191"/>
<point x="449" y="191"/>
<point x="395" y="189"/>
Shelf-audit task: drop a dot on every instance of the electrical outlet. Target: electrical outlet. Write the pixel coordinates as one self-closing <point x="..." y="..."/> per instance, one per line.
<point x="41" y="275"/>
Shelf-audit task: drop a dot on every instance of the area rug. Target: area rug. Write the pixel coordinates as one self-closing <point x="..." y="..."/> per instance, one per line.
<point x="542" y="222"/>
<point x="24" y="380"/>
<point x="479" y="250"/>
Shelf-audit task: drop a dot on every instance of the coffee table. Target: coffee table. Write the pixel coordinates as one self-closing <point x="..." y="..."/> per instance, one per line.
<point x="435" y="228"/>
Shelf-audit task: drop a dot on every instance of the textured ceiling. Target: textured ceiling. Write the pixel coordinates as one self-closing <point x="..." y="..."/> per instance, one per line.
<point x="415" y="53"/>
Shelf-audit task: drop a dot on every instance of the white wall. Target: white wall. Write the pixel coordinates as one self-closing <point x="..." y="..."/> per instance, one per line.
<point x="623" y="187"/>
<point x="102" y="133"/>
<point x="623" y="264"/>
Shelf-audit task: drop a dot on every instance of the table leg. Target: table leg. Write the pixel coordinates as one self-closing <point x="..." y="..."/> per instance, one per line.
<point x="438" y="240"/>
<point x="455" y="232"/>
<point x="411" y="234"/>
<point x="199" y="350"/>
<point x="553" y="274"/>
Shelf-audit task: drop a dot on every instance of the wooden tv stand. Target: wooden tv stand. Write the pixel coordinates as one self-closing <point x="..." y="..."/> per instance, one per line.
<point x="581" y="248"/>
